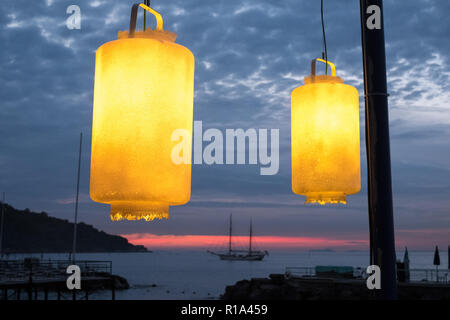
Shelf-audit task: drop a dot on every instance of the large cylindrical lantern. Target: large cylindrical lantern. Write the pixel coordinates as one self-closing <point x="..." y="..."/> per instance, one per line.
<point x="325" y="139"/>
<point x="144" y="85"/>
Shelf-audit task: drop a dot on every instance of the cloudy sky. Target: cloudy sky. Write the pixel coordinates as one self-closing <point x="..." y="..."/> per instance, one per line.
<point x="249" y="56"/>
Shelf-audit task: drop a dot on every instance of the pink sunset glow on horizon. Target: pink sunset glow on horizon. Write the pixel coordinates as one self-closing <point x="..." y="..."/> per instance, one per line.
<point x="265" y="242"/>
<point x="423" y="239"/>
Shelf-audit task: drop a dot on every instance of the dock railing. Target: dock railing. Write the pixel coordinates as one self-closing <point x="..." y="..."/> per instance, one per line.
<point x="22" y="270"/>
<point x="415" y="275"/>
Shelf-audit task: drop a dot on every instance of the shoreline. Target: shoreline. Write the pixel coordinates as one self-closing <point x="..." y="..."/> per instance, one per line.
<point x="278" y="287"/>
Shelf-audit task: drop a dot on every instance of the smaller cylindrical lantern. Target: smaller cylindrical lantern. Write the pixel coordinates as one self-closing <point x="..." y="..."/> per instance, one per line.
<point x="325" y="138"/>
<point x="144" y="86"/>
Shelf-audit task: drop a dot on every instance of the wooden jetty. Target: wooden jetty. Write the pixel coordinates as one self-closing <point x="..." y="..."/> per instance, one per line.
<point x="36" y="279"/>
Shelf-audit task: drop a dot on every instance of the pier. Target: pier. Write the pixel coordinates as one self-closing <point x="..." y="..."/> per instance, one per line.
<point x="34" y="279"/>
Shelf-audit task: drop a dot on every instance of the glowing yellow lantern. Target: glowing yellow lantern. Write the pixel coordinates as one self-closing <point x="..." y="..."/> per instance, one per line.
<point x="325" y="138"/>
<point x="144" y="86"/>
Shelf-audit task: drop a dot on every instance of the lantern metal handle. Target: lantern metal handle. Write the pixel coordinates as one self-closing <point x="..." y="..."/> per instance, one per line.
<point x="313" y="66"/>
<point x="133" y="18"/>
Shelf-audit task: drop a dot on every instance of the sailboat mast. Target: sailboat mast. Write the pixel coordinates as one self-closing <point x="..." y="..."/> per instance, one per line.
<point x="229" y="241"/>
<point x="250" y="240"/>
<point x="74" y="245"/>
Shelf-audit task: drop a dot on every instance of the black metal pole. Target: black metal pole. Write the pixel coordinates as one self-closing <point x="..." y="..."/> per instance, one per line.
<point x="2" y="222"/>
<point x="30" y="282"/>
<point x="113" y="288"/>
<point x="378" y="146"/>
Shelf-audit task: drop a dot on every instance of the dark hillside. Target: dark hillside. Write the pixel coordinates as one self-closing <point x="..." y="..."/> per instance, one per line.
<point x="26" y="231"/>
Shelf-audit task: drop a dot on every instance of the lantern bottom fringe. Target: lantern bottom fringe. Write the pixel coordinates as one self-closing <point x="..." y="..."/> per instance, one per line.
<point x="326" y="197"/>
<point x="148" y="212"/>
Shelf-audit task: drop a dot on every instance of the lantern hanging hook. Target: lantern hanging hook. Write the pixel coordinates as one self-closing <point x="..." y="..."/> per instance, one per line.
<point x="313" y="66"/>
<point x="133" y="18"/>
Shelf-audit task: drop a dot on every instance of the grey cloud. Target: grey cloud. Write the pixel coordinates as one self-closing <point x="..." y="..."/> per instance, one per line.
<point x="244" y="51"/>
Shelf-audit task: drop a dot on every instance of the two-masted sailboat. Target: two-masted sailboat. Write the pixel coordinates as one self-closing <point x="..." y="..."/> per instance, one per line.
<point x="243" y="255"/>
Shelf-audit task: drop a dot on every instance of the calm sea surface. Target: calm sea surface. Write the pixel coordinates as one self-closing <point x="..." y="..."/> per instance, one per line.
<point x="182" y="274"/>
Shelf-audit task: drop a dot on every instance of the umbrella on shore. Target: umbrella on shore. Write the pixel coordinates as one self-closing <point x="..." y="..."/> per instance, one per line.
<point x="406" y="264"/>
<point x="406" y="256"/>
<point x="436" y="261"/>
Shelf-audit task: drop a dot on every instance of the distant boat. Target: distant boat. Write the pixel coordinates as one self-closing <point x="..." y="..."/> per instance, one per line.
<point x="241" y="255"/>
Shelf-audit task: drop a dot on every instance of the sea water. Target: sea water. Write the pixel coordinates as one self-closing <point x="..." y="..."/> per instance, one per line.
<point x="183" y="274"/>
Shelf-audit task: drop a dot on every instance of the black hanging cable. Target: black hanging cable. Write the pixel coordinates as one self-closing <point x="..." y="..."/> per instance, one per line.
<point x="324" y="53"/>
<point x="147" y="3"/>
